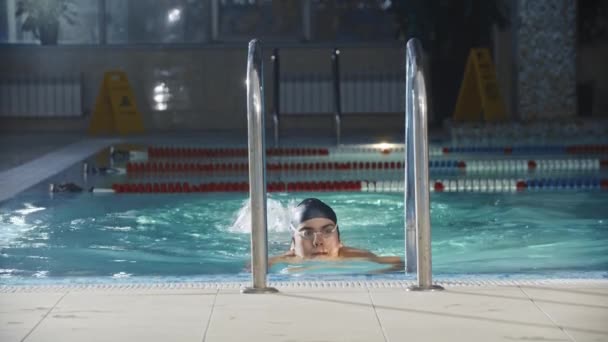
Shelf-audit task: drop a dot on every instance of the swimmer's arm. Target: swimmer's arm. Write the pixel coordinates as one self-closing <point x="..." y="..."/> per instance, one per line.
<point x="281" y="258"/>
<point x="273" y="260"/>
<point x="387" y="260"/>
<point x="395" y="261"/>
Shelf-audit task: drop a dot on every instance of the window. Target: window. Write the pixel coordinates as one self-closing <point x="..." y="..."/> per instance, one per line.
<point x="190" y="21"/>
<point x="270" y="20"/>
<point x="346" y="20"/>
<point x="157" y="21"/>
<point x="49" y="22"/>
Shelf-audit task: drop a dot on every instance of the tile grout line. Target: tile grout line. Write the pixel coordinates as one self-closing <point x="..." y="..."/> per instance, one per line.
<point x="547" y="314"/>
<point x="44" y="317"/>
<point x="217" y="292"/>
<point x="371" y="299"/>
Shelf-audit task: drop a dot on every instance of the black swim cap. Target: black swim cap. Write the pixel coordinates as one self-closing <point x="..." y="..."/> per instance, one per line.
<point x="313" y="208"/>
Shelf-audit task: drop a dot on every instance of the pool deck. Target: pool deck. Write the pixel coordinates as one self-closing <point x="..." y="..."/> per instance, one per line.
<point x="544" y="310"/>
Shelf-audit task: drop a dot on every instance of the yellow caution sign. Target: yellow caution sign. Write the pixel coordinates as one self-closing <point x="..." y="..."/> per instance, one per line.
<point x="115" y="108"/>
<point x="479" y="94"/>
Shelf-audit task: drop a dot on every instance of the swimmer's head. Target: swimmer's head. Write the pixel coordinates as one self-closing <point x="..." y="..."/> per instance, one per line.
<point x="315" y="230"/>
<point x="313" y="208"/>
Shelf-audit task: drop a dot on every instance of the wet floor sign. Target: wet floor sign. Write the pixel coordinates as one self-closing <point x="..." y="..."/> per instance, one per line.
<point x="479" y="97"/>
<point x="115" y="108"/>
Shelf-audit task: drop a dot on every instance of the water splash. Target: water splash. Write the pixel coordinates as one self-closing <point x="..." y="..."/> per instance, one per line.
<point x="14" y="226"/>
<point x="29" y="208"/>
<point x="278" y="216"/>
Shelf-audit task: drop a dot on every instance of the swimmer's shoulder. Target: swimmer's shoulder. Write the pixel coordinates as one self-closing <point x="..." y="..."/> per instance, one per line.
<point x="350" y="252"/>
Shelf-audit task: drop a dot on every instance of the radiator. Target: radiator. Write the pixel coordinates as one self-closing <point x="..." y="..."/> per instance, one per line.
<point x="360" y="93"/>
<point x="41" y="96"/>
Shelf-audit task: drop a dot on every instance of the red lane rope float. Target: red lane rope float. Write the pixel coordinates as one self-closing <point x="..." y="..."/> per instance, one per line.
<point x="190" y="152"/>
<point x="587" y="149"/>
<point x="185" y="187"/>
<point x="172" y="167"/>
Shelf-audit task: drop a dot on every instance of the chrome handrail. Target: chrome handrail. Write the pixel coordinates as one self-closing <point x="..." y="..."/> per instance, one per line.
<point x="257" y="170"/>
<point x="417" y="209"/>
<point x="335" y="58"/>
<point x="276" y="76"/>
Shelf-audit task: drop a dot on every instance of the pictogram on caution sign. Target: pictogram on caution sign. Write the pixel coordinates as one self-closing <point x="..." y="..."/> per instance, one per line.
<point x="479" y="94"/>
<point x="115" y="109"/>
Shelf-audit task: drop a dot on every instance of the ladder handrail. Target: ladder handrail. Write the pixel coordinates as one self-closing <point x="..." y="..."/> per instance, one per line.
<point x="276" y="75"/>
<point x="257" y="170"/>
<point x="335" y="58"/>
<point x="416" y="192"/>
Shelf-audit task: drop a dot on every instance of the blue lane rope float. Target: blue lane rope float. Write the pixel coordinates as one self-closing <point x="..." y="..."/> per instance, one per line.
<point x="507" y="150"/>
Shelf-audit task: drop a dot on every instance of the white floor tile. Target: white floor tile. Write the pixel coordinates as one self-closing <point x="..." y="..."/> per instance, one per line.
<point x="583" y="313"/>
<point x="294" y="316"/>
<point x="147" y="316"/>
<point x="463" y="314"/>
<point x="20" y="312"/>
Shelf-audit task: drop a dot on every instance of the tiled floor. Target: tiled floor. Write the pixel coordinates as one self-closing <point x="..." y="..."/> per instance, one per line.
<point x="573" y="312"/>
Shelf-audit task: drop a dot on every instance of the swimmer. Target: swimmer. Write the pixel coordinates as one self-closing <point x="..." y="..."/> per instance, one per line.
<point x="66" y="187"/>
<point x="108" y="170"/>
<point x="316" y="236"/>
<point x="120" y="155"/>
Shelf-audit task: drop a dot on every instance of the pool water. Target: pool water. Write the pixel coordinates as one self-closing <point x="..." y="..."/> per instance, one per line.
<point x="106" y="237"/>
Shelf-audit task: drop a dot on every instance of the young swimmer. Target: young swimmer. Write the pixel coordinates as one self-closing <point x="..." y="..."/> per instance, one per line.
<point x="64" y="187"/>
<point x="67" y="187"/>
<point x="316" y="236"/>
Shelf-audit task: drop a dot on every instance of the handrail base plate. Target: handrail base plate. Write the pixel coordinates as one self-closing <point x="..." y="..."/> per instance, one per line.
<point x="423" y="288"/>
<point x="248" y="290"/>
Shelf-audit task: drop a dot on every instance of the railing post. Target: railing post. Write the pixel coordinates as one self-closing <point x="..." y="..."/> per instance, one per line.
<point x="307" y="20"/>
<point x="215" y="20"/>
<point x="335" y="58"/>
<point x="257" y="170"/>
<point x="417" y="208"/>
<point x="276" y="74"/>
<point x="102" y="22"/>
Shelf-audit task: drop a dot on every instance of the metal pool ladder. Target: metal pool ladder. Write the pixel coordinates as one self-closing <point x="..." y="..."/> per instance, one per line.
<point x="417" y="209"/>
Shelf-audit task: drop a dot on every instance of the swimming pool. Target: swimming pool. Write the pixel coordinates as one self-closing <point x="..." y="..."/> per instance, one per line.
<point x="94" y="238"/>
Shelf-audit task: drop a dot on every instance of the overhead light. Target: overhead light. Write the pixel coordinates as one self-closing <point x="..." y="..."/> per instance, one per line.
<point x="174" y="15"/>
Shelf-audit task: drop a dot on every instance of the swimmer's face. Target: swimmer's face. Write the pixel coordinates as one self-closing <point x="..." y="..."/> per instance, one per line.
<point x="316" y="238"/>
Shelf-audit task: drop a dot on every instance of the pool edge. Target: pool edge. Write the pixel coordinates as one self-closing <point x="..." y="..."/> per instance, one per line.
<point x="388" y="284"/>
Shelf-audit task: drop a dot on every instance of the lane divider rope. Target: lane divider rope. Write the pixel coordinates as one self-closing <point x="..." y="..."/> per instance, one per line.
<point x="507" y="150"/>
<point x="395" y="149"/>
<point x="139" y="168"/>
<point x="438" y="185"/>
<point x="193" y="152"/>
